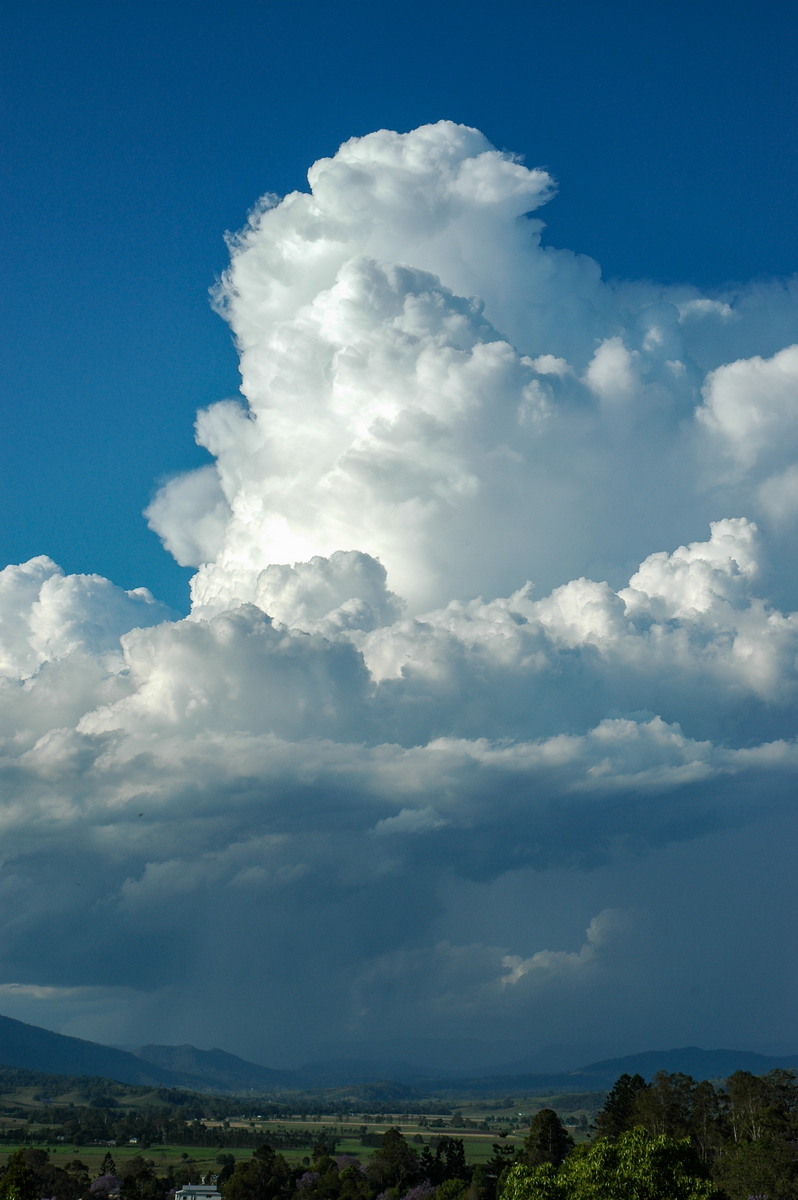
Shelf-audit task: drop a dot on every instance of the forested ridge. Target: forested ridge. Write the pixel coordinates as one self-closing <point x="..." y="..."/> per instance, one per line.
<point x="674" y="1138"/>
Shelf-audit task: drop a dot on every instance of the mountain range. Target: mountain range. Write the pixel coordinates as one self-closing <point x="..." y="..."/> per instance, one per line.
<point x="37" y="1049"/>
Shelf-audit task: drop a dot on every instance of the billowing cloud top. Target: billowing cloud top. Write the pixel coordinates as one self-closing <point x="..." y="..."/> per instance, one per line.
<point x="494" y="578"/>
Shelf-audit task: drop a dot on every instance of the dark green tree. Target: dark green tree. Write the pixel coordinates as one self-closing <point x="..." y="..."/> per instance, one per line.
<point x="448" y="1162"/>
<point x="759" y="1158"/>
<point x="762" y="1168"/>
<point x="139" y="1181"/>
<point x="707" y="1122"/>
<point x="265" y="1176"/>
<point x="18" y="1181"/>
<point x="79" y="1172"/>
<point x="454" y="1159"/>
<point x="480" y="1187"/>
<point x="395" y="1164"/>
<point x="618" y="1113"/>
<point x="548" y="1141"/>
<point x="666" y="1105"/>
<point x="51" y="1180"/>
<point x="108" y="1166"/>
<point x="226" y="1163"/>
<point x="498" y="1165"/>
<point x="761" y="1105"/>
<point x="352" y="1183"/>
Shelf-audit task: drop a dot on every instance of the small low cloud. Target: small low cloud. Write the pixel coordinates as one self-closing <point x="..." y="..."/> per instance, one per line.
<point x="546" y="967"/>
<point x="410" y="820"/>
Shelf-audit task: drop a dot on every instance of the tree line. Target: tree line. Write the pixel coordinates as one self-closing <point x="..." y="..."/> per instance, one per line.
<point x="674" y="1138"/>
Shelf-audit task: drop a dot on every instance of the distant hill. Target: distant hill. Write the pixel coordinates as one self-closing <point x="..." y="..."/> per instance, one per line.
<point x="217" y="1068"/>
<point x="600" y="1076"/>
<point x="38" y="1049"/>
<point x="690" y="1060"/>
<point x="33" y="1048"/>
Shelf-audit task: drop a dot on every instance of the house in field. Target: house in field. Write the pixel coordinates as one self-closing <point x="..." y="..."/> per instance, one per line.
<point x="198" y="1191"/>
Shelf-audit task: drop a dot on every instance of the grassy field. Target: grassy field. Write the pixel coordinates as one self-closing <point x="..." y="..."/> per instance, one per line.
<point x="478" y="1143"/>
<point x="204" y="1159"/>
<point x="480" y="1124"/>
<point x="161" y="1156"/>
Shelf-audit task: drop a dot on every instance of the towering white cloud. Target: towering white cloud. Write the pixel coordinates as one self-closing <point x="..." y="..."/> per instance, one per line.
<point x="494" y="584"/>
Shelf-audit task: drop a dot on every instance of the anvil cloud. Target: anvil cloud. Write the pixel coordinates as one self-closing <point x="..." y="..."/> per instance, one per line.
<point x="487" y="695"/>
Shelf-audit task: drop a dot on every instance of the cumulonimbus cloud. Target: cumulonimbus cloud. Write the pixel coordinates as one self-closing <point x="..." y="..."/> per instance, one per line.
<point x="486" y="545"/>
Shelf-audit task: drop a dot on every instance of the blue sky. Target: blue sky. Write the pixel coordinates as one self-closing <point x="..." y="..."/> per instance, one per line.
<point x="493" y="601"/>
